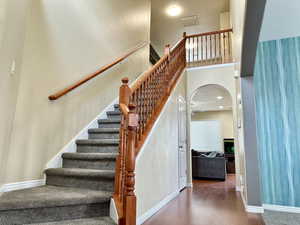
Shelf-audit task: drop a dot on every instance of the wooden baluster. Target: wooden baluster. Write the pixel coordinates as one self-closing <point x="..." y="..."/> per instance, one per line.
<point x="197" y="49"/>
<point x="220" y="48"/>
<point x="224" y="46"/>
<point x="193" y="49"/>
<point x="168" y="69"/>
<point x="210" y="45"/>
<point x="206" y="48"/>
<point x="229" y="46"/>
<point x="130" y="198"/>
<point x="201" y="48"/>
<point x="215" y="60"/>
<point x="184" y="46"/>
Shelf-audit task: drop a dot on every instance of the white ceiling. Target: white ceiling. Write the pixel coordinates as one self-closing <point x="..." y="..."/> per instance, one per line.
<point x="168" y="30"/>
<point x="205" y="99"/>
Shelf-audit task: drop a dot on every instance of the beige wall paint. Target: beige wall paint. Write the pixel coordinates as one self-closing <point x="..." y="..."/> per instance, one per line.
<point x="157" y="164"/>
<point x="169" y="30"/>
<point x="64" y="41"/>
<point x="2" y="17"/>
<point x="11" y="49"/>
<point x="225" y="117"/>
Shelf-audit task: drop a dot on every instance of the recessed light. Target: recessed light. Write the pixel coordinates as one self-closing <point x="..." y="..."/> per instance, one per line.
<point x="221" y="107"/>
<point x="174" y="10"/>
<point x="220" y="97"/>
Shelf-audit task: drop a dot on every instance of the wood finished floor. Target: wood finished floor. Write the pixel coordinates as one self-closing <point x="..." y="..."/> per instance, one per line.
<point x="207" y="203"/>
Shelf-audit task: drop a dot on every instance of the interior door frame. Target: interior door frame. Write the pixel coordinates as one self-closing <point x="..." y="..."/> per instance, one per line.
<point x="180" y="100"/>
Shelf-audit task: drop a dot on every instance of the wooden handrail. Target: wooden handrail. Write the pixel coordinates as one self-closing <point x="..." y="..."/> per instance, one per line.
<point x="70" y="88"/>
<point x="210" y="33"/>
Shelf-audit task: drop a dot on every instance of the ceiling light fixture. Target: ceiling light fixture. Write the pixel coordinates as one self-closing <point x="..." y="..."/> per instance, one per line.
<point x="221" y="107"/>
<point x="174" y="10"/>
<point x="220" y="97"/>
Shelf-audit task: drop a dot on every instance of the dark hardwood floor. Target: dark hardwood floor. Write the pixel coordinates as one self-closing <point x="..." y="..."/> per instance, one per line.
<point x="207" y="203"/>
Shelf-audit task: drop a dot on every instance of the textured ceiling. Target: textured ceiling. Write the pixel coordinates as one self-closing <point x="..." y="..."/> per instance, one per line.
<point x="205" y="99"/>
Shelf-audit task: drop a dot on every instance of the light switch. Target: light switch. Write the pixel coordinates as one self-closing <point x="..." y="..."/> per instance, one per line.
<point x="13" y="67"/>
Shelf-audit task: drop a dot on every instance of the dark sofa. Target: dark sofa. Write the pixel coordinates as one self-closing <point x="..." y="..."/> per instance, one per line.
<point x="208" y="168"/>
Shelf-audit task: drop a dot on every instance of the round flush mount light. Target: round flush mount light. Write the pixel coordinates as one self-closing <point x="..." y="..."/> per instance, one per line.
<point x="221" y="107"/>
<point x="174" y="10"/>
<point x="220" y="97"/>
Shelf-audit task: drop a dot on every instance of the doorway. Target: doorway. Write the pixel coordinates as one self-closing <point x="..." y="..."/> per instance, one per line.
<point x="212" y="133"/>
<point x="182" y="142"/>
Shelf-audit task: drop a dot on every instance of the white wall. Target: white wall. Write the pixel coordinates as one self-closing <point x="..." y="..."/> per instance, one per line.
<point x="157" y="163"/>
<point x="206" y="136"/>
<point x="237" y="14"/>
<point x="225" y="117"/>
<point x="222" y="75"/>
<point x="64" y="41"/>
<point x="281" y="20"/>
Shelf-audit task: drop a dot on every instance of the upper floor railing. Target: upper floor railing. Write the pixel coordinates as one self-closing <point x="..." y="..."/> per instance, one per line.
<point x="209" y="48"/>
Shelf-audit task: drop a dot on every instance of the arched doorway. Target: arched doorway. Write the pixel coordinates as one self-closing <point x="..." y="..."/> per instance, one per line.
<point x="212" y="134"/>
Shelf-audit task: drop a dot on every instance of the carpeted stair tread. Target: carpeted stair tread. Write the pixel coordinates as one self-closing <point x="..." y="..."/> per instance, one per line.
<point x="88" y="221"/>
<point x="51" y="196"/>
<point x="109" y="121"/>
<point x="104" y="130"/>
<point x="78" y="172"/>
<point x="113" y="113"/>
<point x="98" y="142"/>
<point x="90" y="156"/>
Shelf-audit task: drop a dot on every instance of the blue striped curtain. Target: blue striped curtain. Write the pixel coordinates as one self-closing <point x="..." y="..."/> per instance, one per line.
<point x="277" y="87"/>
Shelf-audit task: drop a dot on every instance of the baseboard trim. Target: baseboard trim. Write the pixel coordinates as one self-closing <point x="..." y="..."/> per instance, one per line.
<point x="281" y="208"/>
<point x="141" y="219"/>
<point x="251" y="208"/>
<point x="22" y="185"/>
<point x="189" y="185"/>
<point x="254" y="209"/>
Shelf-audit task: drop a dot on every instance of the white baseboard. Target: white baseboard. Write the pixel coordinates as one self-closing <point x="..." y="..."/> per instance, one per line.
<point x="113" y="211"/>
<point x="281" y="208"/>
<point x="251" y="208"/>
<point x="141" y="219"/>
<point x="189" y="185"/>
<point x="21" y="185"/>
<point x="254" y="209"/>
<point x="56" y="161"/>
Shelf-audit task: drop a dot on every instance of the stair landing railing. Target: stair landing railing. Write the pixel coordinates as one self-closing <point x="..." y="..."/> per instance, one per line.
<point x="209" y="48"/>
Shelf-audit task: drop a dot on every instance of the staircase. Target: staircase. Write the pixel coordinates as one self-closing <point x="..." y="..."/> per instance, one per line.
<point x="77" y="193"/>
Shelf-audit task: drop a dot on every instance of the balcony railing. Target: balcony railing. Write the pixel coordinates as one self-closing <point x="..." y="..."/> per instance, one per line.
<point x="209" y="48"/>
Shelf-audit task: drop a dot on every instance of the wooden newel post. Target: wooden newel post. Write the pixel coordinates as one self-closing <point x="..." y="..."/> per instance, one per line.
<point x="125" y="92"/>
<point x="130" y="198"/>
